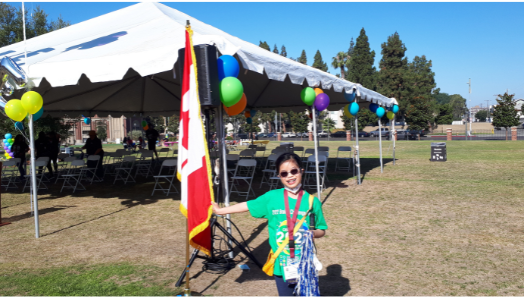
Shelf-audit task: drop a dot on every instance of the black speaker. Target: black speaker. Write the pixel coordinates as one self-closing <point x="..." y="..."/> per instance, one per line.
<point x="207" y="73"/>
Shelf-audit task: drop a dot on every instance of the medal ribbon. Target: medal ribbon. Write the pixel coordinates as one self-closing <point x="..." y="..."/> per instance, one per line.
<point x="291" y="221"/>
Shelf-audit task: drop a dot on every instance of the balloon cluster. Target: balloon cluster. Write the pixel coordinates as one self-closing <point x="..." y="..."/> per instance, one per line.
<point x="249" y="115"/>
<point x="8" y="143"/>
<point x="145" y="126"/>
<point x="380" y="111"/>
<point x="315" y="96"/>
<point x="31" y="103"/>
<point x="231" y="89"/>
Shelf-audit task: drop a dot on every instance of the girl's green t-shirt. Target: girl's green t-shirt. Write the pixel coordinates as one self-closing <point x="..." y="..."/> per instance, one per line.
<point x="271" y="206"/>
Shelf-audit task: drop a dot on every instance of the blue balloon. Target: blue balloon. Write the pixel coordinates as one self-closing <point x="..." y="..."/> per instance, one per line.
<point x="373" y="107"/>
<point x="8" y="136"/>
<point x="253" y="112"/>
<point x="394" y="109"/>
<point x="19" y="125"/>
<point x="38" y="114"/>
<point x="350" y="96"/>
<point x="87" y="121"/>
<point x="249" y="120"/>
<point x="353" y="108"/>
<point x="380" y="112"/>
<point x="227" y="67"/>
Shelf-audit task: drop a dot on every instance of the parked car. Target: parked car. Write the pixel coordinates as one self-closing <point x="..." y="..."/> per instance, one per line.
<point x="271" y="135"/>
<point x="322" y="134"/>
<point x="241" y="136"/>
<point x="402" y="134"/>
<point x="286" y="134"/>
<point x="262" y="135"/>
<point x="384" y="133"/>
<point x="363" y="134"/>
<point x="339" y="134"/>
<point x="303" y="134"/>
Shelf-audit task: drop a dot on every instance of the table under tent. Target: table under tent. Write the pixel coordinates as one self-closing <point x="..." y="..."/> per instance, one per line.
<point x="126" y="63"/>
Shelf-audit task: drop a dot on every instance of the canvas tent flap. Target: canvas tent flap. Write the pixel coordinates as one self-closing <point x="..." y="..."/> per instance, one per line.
<point x="121" y="63"/>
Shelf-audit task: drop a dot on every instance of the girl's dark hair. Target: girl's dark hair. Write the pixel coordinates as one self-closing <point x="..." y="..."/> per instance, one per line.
<point x="288" y="156"/>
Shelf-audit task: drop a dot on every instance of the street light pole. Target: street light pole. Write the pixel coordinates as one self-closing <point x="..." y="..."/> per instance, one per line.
<point x="469" y="110"/>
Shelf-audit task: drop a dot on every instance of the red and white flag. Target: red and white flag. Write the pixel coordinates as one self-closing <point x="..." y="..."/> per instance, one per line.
<point x="194" y="168"/>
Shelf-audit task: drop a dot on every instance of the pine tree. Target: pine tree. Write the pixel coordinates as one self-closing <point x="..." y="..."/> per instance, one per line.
<point x="303" y="59"/>
<point x="299" y="121"/>
<point x="393" y="66"/>
<point x="458" y="106"/>
<point x="318" y="63"/>
<point x="445" y="115"/>
<point x="350" y="55"/>
<point x="264" y="45"/>
<point x="283" y="51"/>
<point x="505" y="114"/>
<point x="275" y="50"/>
<point x="419" y="84"/>
<point x="361" y="63"/>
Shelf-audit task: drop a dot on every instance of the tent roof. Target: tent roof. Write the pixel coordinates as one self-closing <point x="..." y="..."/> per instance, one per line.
<point x="122" y="63"/>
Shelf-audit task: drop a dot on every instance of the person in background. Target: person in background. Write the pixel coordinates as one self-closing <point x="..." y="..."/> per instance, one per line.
<point x="20" y="149"/>
<point x="141" y="143"/>
<point x="43" y="149"/>
<point x="54" y="149"/>
<point x="93" y="146"/>
<point x="152" y="136"/>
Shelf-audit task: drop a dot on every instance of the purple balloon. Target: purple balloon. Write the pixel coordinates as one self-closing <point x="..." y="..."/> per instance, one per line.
<point x="321" y="102"/>
<point x="8" y="151"/>
<point x="12" y="154"/>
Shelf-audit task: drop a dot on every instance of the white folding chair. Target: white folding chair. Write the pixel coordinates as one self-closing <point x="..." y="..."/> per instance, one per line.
<point x="123" y="171"/>
<point x="64" y="167"/>
<point x="244" y="171"/>
<point x="347" y="158"/>
<point x="9" y="170"/>
<point x="143" y="165"/>
<point x="39" y="176"/>
<point x="74" y="175"/>
<point x="169" y="178"/>
<point x="310" y="177"/>
<point x="92" y="170"/>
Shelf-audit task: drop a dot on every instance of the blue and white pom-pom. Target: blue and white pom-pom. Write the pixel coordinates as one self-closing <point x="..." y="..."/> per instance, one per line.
<point x="307" y="284"/>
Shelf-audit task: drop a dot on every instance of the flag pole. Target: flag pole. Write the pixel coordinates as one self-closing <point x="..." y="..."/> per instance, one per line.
<point x="187" y="290"/>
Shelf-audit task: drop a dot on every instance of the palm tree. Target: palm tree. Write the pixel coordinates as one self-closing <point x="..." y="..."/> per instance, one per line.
<point x="340" y="61"/>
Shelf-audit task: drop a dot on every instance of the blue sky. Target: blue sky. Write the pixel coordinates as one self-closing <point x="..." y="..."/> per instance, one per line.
<point x="481" y="41"/>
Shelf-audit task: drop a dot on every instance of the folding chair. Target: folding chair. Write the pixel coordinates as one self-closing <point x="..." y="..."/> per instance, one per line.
<point x="143" y="165"/>
<point x="166" y="150"/>
<point x="310" y="173"/>
<point x="46" y="159"/>
<point x="247" y="153"/>
<point x="297" y="151"/>
<point x="123" y="171"/>
<point x="74" y="175"/>
<point x="269" y="170"/>
<point x="349" y="159"/>
<point x="92" y="170"/>
<point x="39" y="176"/>
<point x="171" y="164"/>
<point x="232" y="159"/>
<point x="9" y="170"/>
<point x="279" y="151"/>
<point x="64" y="167"/>
<point x="244" y="171"/>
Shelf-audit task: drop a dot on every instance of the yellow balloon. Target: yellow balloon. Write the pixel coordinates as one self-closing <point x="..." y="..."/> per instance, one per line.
<point x="346" y="111"/>
<point x="32" y="102"/>
<point x="390" y="115"/>
<point x="15" y="110"/>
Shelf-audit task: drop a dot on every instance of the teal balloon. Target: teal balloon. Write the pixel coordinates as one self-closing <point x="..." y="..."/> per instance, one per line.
<point x="353" y="108"/>
<point x="87" y="121"/>
<point x="350" y="96"/>
<point x="394" y="109"/>
<point x="8" y="136"/>
<point x="249" y="120"/>
<point x="38" y="114"/>
<point x="380" y="112"/>
<point x="19" y="125"/>
<point x="253" y="112"/>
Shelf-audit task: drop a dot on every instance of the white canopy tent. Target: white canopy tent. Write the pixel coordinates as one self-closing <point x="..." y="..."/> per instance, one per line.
<point x="123" y="63"/>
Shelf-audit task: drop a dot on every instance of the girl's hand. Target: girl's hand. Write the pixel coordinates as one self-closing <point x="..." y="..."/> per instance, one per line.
<point x="216" y="208"/>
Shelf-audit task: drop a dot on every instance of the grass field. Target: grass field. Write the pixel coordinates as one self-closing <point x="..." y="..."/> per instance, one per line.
<point x="420" y="228"/>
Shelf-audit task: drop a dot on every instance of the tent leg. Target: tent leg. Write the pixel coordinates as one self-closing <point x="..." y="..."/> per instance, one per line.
<point x="380" y="144"/>
<point x="357" y="152"/>
<point x="33" y="177"/>
<point x="393" y="136"/>
<point x="225" y="179"/>
<point x="315" y="139"/>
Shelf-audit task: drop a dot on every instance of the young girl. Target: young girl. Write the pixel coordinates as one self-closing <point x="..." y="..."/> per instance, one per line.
<point x="280" y="207"/>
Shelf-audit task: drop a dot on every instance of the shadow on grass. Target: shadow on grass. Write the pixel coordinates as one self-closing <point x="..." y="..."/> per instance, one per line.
<point x="40" y="212"/>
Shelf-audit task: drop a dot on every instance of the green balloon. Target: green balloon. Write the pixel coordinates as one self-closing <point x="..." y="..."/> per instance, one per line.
<point x="231" y="91"/>
<point x="308" y="95"/>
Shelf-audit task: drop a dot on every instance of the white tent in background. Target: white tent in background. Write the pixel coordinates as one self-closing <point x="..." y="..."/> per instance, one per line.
<point x="123" y="63"/>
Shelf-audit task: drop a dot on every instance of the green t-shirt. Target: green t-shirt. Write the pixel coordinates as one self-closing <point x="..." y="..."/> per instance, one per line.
<point x="271" y="206"/>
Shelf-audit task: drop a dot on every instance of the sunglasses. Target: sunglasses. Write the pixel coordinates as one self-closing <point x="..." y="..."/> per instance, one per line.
<point x="292" y="172"/>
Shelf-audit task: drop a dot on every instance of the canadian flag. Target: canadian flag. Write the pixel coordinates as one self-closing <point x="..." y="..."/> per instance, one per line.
<point x="194" y="168"/>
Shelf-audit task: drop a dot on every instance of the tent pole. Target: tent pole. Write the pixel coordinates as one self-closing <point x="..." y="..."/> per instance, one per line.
<point x="315" y="138"/>
<point x="393" y="135"/>
<point x="357" y="152"/>
<point x="380" y="144"/>
<point x="222" y="140"/>
<point x="33" y="176"/>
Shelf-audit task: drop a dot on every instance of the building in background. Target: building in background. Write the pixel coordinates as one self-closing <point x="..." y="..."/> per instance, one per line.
<point x="115" y="128"/>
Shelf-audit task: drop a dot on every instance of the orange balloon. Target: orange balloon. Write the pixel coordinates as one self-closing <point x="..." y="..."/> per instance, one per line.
<point x="238" y="107"/>
<point x="318" y="91"/>
<point x="247" y="114"/>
